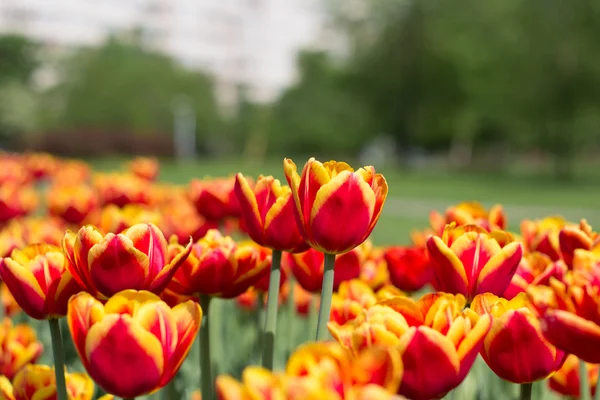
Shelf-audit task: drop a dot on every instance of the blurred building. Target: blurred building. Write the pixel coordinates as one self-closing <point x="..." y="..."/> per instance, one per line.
<point x="240" y="42"/>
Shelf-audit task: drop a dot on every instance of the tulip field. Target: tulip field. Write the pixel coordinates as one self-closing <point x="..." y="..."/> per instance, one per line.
<point x="150" y="280"/>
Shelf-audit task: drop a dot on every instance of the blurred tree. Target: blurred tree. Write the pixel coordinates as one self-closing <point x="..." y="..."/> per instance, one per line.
<point x="122" y="86"/>
<point x="18" y="58"/>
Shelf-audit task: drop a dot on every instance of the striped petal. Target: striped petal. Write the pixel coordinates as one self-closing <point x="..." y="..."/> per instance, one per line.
<point x="431" y="365"/>
<point x="471" y="345"/>
<point x="314" y="176"/>
<point x="116" y="265"/>
<point x="293" y="179"/>
<point x="571" y="239"/>
<point x="83" y="312"/>
<point x="342" y="214"/>
<point x="380" y="188"/>
<point x="379" y="365"/>
<point x="120" y="342"/>
<point x="149" y="240"/>
<point x="77" y="257"/>
<point x="497" y="273"/>
<point x="59" y="294"/>
<point x="24" y="287"/>
<point x="228" y="388"/>
<point x="572" y="334"/>
<point x="516" y="350"/>
<point x="280" y="230"/>
<point x="450" y="274"/>
<point x="164" y="276"/>
<point x="249" y="208"/>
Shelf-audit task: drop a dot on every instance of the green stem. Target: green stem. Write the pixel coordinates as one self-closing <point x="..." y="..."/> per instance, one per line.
<point x="59" y="359"/>
<point x="326" y="293"/>
<point x="597" y="391"/>
<point x="271" y="318"/>
<point x="526" y="391"/>
<point x="584" y="384"/>
<point x="205" y="368"/>
<point x="291" y="311"/>
<point x="312" y="316"/>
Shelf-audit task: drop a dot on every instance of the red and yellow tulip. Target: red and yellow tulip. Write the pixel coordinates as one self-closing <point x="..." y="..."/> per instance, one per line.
<point x="38" y="382"/>
<point x="566" y="380"/>
<point x="71" y="172"/>
<point x="351" y="298"/>
<point x="116" y="219"/>
<point x="374" y="271"/>
<point x="180" y="218"/>
<point x="409" y="267"/>
<point x="138" y="258"/>
<point x="72" y="203"/>
<point x="542" y="235"/>
<point x="215" y="199"/>
<point x="268" y="213"/>
<point x="437" y="338"/>
<point x="38" y="278"/>
<point x="469" y="260"/>
<point x="570" y="316"/>
<point x="534" y="269"/>
<point x="16" y="201"/>
<point x="146" y="168"/>
<point x="571" y="238"/>
<point x="219" y="267"/>
<point x="135" y="343"/>
<point x="122" y="189"/>
<point x="469" y="213"/>
<point x="19" y="346"/>
<point x="308" y="267"/>
<point x="515" y="348"/>
<point x="336" y="207"/>
<point x="40" y="165"/>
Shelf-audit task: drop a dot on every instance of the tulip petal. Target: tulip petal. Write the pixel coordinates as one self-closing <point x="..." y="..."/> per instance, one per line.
<point x="60" y="293"/>
<point x="156" y="318"/>
<point x="380" y="188"/>
<point x="149" y="240"/>
<point x="344" y="195"/>
<point x="77" y="265"/>
<point x="228" y="388"/>
<point x="499" y="270"/>
<point x="314" y="176"/>
<point x="119" y="341"/>
<point x="471" y="345"/>
<point x="163" y="278"/>
<point x="83" y="312"/>
<point x="280" y="229"/>
<point x="516" y="350"/>
<point x="293" y="179"/>
<point x="379" y="365"/>
<point x="420" y="381"/>
<point x="249" y="208"/>
<point x="571" y="239"/>
<point x="450" y="273"/>
<point x="572" y="334"/>
<point x="116" y="265"/>
<point x="24" y="287"/>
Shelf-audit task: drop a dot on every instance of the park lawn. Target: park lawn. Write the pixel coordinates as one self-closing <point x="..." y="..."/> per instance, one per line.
<point x="413" y="195"/>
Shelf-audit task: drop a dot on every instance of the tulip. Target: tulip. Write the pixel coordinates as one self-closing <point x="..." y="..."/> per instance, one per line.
<point x="542" y="235"/>
<point x="409" y="267"/>
<point x="47" y="230"/>
<point x="469" y="260"/>
<point x="71" y="172"/>
<point x="155" y="337"/>
<point x="437" y="338"/>
<point x="515" y="348"/>
<point x="41" y="165"/>
<point x="122" y="189"/>
<point x="18" y="347"/>
<point x="308" y="267"/>
<point x="72" y="203"/>
<point x="37" y="277"/>
<point x="146" y="168"/>
<point x="181" y="219"/>
<point x="16" y="201"/>
<point x="215" y="199"/>
<point x="469" y="213"/>
<point x="134" y="259"/>
<point x="387" y="292"/>
<point x="534" y="269"/>
<point x="566" y="380"/>
<point x="570" y="316"/>
<point x="374" y="270"/>
<point x="571" y="238"/>
<point x="419" y="238"/>
<point x="38" y="382"/>
<point x="116" y="219"/>
<point x="349" y="301"/>
<point x="587" y="260"/>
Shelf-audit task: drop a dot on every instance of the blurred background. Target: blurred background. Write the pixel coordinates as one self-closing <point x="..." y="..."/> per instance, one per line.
<point x="496" y="101"/>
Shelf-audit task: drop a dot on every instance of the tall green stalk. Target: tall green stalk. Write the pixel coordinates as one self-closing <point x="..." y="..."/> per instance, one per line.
<point x="597" y="391"/>
<point x="206" y="384"/>
<point x="291" y="312"/>
<point x="59" y="359"/>
<point x="326" y="293"/>
<point x="584" y="384"/>
<point x="526" y="389"/>
<point x="268" y="355"/>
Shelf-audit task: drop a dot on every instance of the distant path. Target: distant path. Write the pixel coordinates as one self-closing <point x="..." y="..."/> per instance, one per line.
<point x="420" y="208"/>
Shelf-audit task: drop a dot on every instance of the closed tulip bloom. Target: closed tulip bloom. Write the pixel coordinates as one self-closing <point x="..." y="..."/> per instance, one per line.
<point x="122" y="189"/>
<point x="469" y="260"/>
<point x="19" y="346"/>
<point x="215" y="199"/>
<point x="146" y="168"/>
<point x="72" y="203"/>
<point x="138" y="258"/>
<point x="437" y="338"/>
<point x="39" y="279"/>
<point x="38" y="382"/>
<point x="135" y="343"/>
<point x="16" y="201"/>
<point x="351" y="298"/>
<point x="116" y="219"/>
<point x="542" y="235"/>
<point x="515" y="348"/>
<point x="469" y="213"/>
<point x="308" y="267"/>
<point x="374" y="270"/>
<point x="218" y="266"/>
<point x="570" y="316"/>
<point x="336" y="207"/>
<point x="409" y="267"/>
<point x="534" y="269"/>
<point x="573" y="237"/>
<point x="268" y="213"/>
<point x="180" y="218"/>
<point x="566" y="380"/>
<point x="41" y="165"/>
